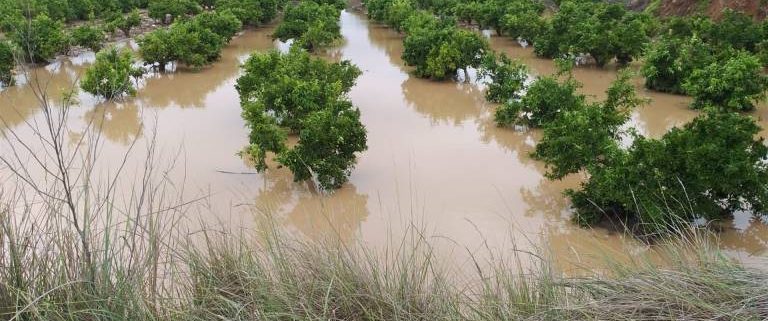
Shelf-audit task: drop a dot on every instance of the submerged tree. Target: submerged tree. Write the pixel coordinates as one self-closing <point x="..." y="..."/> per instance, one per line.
<point x="159" y="9"/>
<point x="438" y="51"/>
<point x="296" y="93"/>
<point x="587" y="134"/>
<point x="506" y="78"/>
<point x="156" y="49"/>
<point x="544" y="99"/>
<point x="252" y="12"/>
<point x="604" y="31"/>
<point x="110" y="75"/>
<point x="310" y="25"/>
<point x="669" y="63"/>
<point x="7" y="63"/>
<point x="88" y="36"/>
<point x="709" y="168"/>
<point x="735" y="85"/>
<point x="41" y="39"/>
<point x="125" y="23"/>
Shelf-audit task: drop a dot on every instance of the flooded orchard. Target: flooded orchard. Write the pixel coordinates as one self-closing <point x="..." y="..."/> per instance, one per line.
<point x="436" y="158"/>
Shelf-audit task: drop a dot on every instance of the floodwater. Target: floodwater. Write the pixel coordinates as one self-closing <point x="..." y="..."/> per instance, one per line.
<point x="435" y="160"/>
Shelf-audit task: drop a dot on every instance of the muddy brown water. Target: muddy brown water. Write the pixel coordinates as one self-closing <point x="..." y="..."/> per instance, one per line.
<point x="435" y="160"/>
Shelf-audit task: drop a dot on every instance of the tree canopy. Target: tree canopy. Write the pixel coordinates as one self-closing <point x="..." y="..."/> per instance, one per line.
<point x="505" y="77"/>
<point x="602" y="30"/>
<point x="110" y="75"/>
<point x="310" y="25"/>
<point x="735" y="84"/>
<point x="7" y="63"/>
<point x="296" y="93"/>
<point x="41" y="39"/>
<point x="194" y="42"/>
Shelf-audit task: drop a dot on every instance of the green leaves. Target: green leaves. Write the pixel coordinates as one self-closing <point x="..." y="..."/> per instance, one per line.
<point x="252" y="12"/>
<point x="7" y="63"/>
<point x="40" y="39"/>
<point x="310" y="24"/>
<point x="604" y="31"/>
<point x="110" y="76"/>
<point x="438" y="51"/>
<point x="506" y="78"/>
<point x="195" y="43"/>
<point x="709" y="168"/>
<point x="544" y="99"/>
<point x="297" y="93"/>
<point x="88" y="36"/>
<point x="158" y="9"/>
<point x="734" y="85"/>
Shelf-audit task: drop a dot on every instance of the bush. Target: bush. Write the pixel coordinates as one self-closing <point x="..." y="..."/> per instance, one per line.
<point x="40" y="39"/>
<point x="194" y="45"/>
<point x="310" y="25"/>
<point x="506" y="78"/>
<point x="304" y="95"/>
<point x="88" y="36"/>
<point x="735" y="85"/>
<point x="110" y="75"/>
<point x="7" y="63"/>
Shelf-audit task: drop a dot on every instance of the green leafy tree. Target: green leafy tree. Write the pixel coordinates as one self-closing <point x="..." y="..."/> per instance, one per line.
<point x="88" y="36"/>
<point x="224" y="23"/>
<point x="735" y="85"/>
<point x="311" y="25"/>
<point x="158" y="9"/>
<point x="41" y="39"/>
<point x="126" y="23"/>
<point x="506" y="78"/>
<point x="252" y="12"/>
<point x="523" y="20"/>
<point x="438" y="52"/>
<point x="312" y="84"/>
<point x="543" y="101"/>
<point x="735" y="30"/>
<point x="7" y="63"/>
<point x="195" y="45"/>
<point x="296" y="93"/>
<point x="156" y="49"/>
<point x="110" y="75"/>
<point x="669" y="63"/>
<point x="602" y="30"/>
<point x="587" y="135"/>
<point x="709" y="168"/>
<point x="328" y="142"/>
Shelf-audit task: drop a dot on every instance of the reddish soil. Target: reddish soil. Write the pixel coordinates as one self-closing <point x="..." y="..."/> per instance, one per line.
<point x="713" y="8"/>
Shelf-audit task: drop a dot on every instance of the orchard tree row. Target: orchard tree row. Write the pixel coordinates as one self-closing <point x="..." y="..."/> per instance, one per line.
<point x="294" y="93"/>
<point x="708" y="168"/>
<point x="435" y="45"/>
<point x="194" y="42"/>
<point x="36" y="30"/>
<point x="719" y="63"/>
